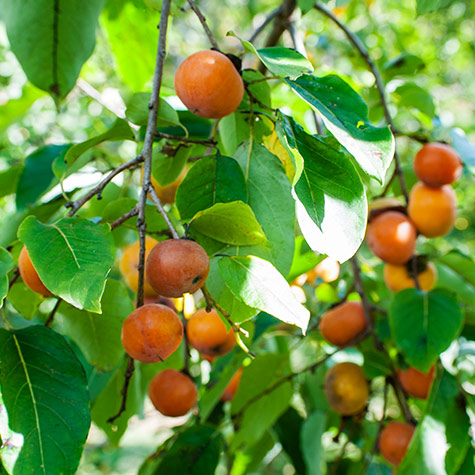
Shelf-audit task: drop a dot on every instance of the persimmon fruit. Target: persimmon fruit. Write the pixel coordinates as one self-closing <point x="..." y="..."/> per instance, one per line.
<point x="437" y="164"/>
<point x="166" y="194"/>
<point x="392" y="237"/>
<point x="177" y="266"/>
<point x="29" y="275"/>
<point x="399" y="277"/>
<point x="343" y="323"/>
<point x="346" y="388"/>
<point x="328" y="270"/>
<point x="173" y="393"/>
<point x="394" y="441"/>
<point x="432" y="210"/>
<point x="209" y="85"/>
<point x="151" y="333"/>
<point x="207" y="333"/>
<point x="129" y="265"/>
<point x="232" y="386"/>
<point x="415" y="382"/>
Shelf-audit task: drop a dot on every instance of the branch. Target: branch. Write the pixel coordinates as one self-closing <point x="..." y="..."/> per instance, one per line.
<point x="205" y="26"/>
<point x="162" y="135"/>
<point x="146" y="185"/>
<point x="360" y="289"/>
<point x="283" y="380"/>
<point x="16" y="274"/>
<point x="262" y="26"/>
<point x="128" y="376"/>
<point x="97" y="190"/>
<point x="152" y="193"/>
<point x="50" y="318"/>
<point x="358" y="44"/>
<point x="133" y="212"/>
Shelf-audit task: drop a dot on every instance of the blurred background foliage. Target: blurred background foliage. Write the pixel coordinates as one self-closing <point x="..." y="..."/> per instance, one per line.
<point x="428" y="65"/>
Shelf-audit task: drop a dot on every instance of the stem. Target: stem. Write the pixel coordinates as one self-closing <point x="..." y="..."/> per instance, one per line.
<point x="262" y="26"/>
<point x="128" y="376"/>
<point x="50" y="318"/>
<point x="159" y="205"/>
<point x="124" y="218"/>
<point x="97" y="190"/>
<point x="205" y="26"/>
<point x="147" y="158"/>
<point x="186" y="367"/>
<point x="16" y="274"/>
<point x="363" y="51"/>
<point x="162" y="135"/>
<point x="360" y="289"/>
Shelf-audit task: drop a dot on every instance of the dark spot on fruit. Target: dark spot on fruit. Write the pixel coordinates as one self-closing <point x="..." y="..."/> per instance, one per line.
<point x="196" y="279"/>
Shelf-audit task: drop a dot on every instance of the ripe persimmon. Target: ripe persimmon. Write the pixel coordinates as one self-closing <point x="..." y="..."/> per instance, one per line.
<point x="341" y="324"/>
<point x="29" y="275"/>
<point x="172" y="393"/>
<point x="129" y="265"/>
<point x="392" y="237"/>
<point x="207" y="333"/>
<point x="399" y="277"/>
<point x="232" y="386"/>
<point x="394" y="441"/>
<point x="209" y="85"/>
<point x="432" y="210"/>
<point x="437" y="164"/>
<point x="346" y="388"/>
<point x="158" y="299"/>
<point x="176" y="267"/>
<point x="167" y="193"/>
<point x="151" y="333"/>
<point x="415" y="382"/>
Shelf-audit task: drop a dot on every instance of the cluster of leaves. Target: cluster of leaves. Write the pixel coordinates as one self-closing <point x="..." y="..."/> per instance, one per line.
<point x="242" y="199"/>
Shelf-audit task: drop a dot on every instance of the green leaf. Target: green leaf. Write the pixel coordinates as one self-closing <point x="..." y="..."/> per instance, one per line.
<point x="212" y="180"/>
<point x="260" y="411"/>
<point x="427" y="6"/>
<point x="413" y="96"/>
<point x="345" y="114"/>
<point x="331" y="206"/>
<point x="119" y="131"/>
<point x="98" y="336"/>
<point x="6" y="264"/>
<point x="196" y="451"/>
<point x="233" y="223"/>
<point x="311" y="442"/>
<point x="37" y="176"/>
<point x="404" y="65"/>
<point x="305" y="5"/>
<point x="461" y="263"/>
<point x="167" y="167"/>
<point x="464" y="148"/>
<point x="259" y="285"/>
<point x="44" y="389"/>
<point x="9" y="180"/>
<point x="24" y="300"/>
<point x="271" y="200"/>
<point x="423" y="324"/>
<point x="52" y="41"/>
<point x="280" y="61"/>
<point x="445" y="425"/>
<point x="137" y="111"/>
<point x="72" y="258"/>
<point x="248" y="460"/>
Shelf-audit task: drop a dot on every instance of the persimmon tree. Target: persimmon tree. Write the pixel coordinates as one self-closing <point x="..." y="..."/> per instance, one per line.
<point x="221" y="220"/>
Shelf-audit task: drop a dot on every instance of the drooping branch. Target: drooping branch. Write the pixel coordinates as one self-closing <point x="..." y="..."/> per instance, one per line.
<point x="97" y="190"/>
<point x="262" y="26"/>
<point x="205" y="26"/>
<point x="364" y="53"/>
<point x="128" y="376"/>
<point x="133" y="212"/>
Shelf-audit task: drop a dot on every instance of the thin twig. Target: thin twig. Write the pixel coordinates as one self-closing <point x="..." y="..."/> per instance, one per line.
<point x="283" y="380"/>
<point x="363" y="51"/>
<point x="16" y="274"/>
<point x="262" y="26"/>
<point x="97" y="190"/>
<point x="152" y="193"/>
<point x="146" y="181"/>
<point x="205" y="26"/>
<point x="360" y="289"/>
<point x="50" y="318"/>
<point x="208" y="142"/>
<point x="128" y="376"/>
<point x="133" y="212"/>
<point x="186" y="345"/>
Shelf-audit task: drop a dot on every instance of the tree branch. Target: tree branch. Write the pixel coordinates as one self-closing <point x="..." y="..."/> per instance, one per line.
<point x="205" y="26"/>
<point x="208" y="142"/>
<point x="128" y="376"/>
<point x="16" y="274"/>
<point x="158" y="203"/>
<point x="133" y="212"/>
<point x="97" y="190"/>
<point x="50" y="318"/>
<point x="262" y="26"/>
<point x="363" y="51"/>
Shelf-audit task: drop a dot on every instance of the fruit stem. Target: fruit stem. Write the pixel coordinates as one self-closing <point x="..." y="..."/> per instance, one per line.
<point x="205" y="26"/>
<point x="128" y="376"/>
<point x="50" y="318"/>
<point x="159" y="205"/>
